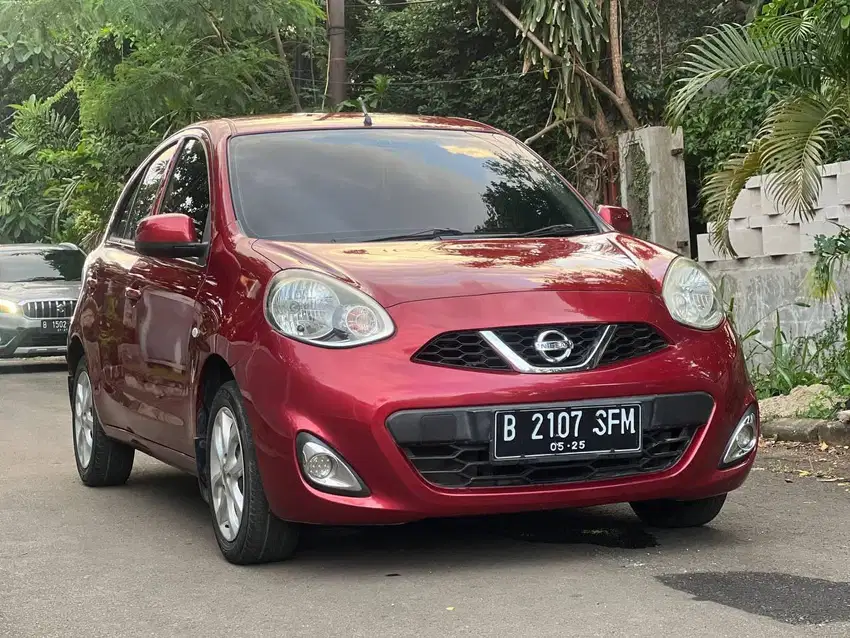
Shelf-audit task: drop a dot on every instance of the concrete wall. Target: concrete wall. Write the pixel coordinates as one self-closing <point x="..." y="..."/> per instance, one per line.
<point x="775" y="257"/>
<point x="762" y="285"/>
<point x="660" y="205"/>
<point x="759" y="227"/>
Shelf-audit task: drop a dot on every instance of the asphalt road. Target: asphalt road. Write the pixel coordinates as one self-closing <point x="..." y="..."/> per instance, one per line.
<point x="141" y="560"/>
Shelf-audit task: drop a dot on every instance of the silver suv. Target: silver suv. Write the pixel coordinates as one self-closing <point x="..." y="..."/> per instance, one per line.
<point x="39" y="288"/>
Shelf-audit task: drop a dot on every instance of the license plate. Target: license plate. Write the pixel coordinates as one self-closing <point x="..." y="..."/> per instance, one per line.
<point x="55" y="326"/>
<point x="567" y="431"/>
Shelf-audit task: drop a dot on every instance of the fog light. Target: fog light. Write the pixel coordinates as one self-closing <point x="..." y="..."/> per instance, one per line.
<point x="319" y="467"/>
<point x="744" y="438"/>
<point x="325" y="469"/>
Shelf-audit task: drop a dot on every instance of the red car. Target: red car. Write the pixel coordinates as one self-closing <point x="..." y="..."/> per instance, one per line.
<point x="337" y="321"/>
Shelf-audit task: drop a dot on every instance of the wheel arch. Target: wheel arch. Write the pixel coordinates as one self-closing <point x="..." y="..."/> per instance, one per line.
<point x="73" y="356"/>
<point x="214" y="373"/>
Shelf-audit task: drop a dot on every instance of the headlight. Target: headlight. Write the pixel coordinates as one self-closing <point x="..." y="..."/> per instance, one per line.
<point x="9" y="307"/>
<point x="321" y="310"/>
<point x="691" y="295"/>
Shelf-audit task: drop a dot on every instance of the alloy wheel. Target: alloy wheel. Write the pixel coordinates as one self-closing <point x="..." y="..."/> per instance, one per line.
<point x="83" y="419"/>
<point x="227" y="473"/>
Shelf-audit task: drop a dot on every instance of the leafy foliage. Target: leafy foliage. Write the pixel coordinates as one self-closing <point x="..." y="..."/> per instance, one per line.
<point x="802" y="49"/>
<point x="133" y="71"/>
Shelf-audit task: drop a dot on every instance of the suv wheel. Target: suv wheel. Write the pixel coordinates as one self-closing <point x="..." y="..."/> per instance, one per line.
<point x="246" y="530"/>
<point x="674" y="514"/>
<point x="101" y="461"/>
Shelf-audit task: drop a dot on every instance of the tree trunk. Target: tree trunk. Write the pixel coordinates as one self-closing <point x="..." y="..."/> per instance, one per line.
<point x="336" y="61"/>
<point x="615" y="36"/>
<point x="286" y="74"/>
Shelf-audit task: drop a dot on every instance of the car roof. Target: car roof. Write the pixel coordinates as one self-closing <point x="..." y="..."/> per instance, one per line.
<point x="320" y="121"/>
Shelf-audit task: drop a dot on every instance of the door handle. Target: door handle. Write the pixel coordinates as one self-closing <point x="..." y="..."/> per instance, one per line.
<point x="133" y="294"/>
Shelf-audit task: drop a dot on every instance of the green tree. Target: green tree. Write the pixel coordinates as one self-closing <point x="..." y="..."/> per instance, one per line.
<point x="803" y="48"/>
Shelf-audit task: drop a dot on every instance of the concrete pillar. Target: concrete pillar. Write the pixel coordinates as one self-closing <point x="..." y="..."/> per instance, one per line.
<point x="653" y="188"/>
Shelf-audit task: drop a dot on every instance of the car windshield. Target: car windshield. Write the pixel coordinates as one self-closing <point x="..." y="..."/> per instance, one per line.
<point x="374" y="184"/>
<point x="41" y="265"/>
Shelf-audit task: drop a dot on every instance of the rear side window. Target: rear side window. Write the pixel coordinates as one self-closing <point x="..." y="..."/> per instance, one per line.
<point x="188" y="191"/>
<point x="120" y="223"/>
<point x="145" y="197"/>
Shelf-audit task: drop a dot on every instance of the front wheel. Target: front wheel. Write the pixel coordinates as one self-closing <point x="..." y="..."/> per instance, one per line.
<point x="245" y="528"/>
<point x="677" y="514"/>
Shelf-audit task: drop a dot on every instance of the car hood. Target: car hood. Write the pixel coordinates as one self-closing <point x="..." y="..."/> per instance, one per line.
<point x="399" y="272"/>
<point x="39" y="290"/>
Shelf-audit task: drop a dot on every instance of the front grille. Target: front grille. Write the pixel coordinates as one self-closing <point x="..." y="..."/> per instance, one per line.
<point x="632" y="340"/>
<point x="521" y="341"/>
<point x="461" y="350"/>
<point x="456" y="465"/>
<point x="469" y="349"/>
<point x="59" y="309"/>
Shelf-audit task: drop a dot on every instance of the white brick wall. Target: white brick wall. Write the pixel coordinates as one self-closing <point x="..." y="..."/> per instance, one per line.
<point x="759" y="226"/>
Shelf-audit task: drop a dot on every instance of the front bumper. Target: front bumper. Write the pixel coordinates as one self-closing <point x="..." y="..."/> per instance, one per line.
<point x="351" y="399"/>
<point x="23" y="337"/>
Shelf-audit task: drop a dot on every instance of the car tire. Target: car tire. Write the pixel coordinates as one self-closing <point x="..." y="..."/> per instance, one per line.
<point x="249" y="534"/>
<point x="678" y="514"/>
<point x="101" y="461"/>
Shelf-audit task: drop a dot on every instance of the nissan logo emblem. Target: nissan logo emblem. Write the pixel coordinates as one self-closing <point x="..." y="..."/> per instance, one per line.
<point x="554" y="346"/>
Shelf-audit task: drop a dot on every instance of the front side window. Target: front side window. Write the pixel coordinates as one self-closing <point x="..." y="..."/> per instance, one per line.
<point x="145" y="197"/>
<point x="42" y="265"/>
<point x="188" y="190"/>
<point x="365" y="185"/>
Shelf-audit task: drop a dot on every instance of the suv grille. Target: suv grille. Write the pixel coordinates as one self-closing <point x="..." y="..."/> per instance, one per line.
<point x="470" y="350"/>
<point x="63" y="309"/>
<point x="456" y="465"/>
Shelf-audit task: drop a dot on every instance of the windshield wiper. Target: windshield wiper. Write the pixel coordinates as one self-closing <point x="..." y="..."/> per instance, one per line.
<point x="31" y="279"/>
<point x="559" y="230"/>
<point x="428" y="233"/>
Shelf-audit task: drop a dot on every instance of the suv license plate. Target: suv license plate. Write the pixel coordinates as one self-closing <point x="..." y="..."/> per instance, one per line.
<point x="567" y="431"/>
<point x="55" y="326"/>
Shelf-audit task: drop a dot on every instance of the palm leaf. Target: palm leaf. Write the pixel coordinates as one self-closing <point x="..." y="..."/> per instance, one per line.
<point x="793" y="29"/>
<point x="729" y="51"/>
<point x="794" y="144"/>
<point x="721" y="190"/>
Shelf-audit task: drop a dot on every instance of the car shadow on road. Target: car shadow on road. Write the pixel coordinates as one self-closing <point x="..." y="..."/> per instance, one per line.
<point x="475" y="542"/>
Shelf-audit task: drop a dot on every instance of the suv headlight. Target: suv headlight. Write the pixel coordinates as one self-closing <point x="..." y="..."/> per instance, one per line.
<point x="691" y="295"/>
<point x="9" y="307"/>
<point x="321" y="310"/>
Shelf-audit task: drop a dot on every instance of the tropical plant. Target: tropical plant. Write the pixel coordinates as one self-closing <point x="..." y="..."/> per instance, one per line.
<point x="131" y="72"/>
<point x="803" y="47"/>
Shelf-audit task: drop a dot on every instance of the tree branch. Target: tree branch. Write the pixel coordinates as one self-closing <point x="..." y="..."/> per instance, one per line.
<point x="580" y="119"/>
<point x="286" y="74"/>
<point x="623" y="107"/>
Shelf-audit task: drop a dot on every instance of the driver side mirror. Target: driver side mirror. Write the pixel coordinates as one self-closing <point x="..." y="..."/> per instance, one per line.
<point x="170" y="235"/>
<point x="617" y="217"/>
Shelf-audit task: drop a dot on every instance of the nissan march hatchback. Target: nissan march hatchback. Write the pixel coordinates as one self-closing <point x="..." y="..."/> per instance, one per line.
<point x="334" y="323"/>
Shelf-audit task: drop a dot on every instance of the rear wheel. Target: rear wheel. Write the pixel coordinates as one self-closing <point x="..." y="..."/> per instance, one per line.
<point x="675" y="514"/>
<point x="245" y="528"/>
<point x="101" y="461"/>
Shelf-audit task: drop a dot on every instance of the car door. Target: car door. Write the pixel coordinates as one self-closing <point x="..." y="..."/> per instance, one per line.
<point x="159" y="375"/>
<point x="117" y="259"/>
<point x="104" y="320"/>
